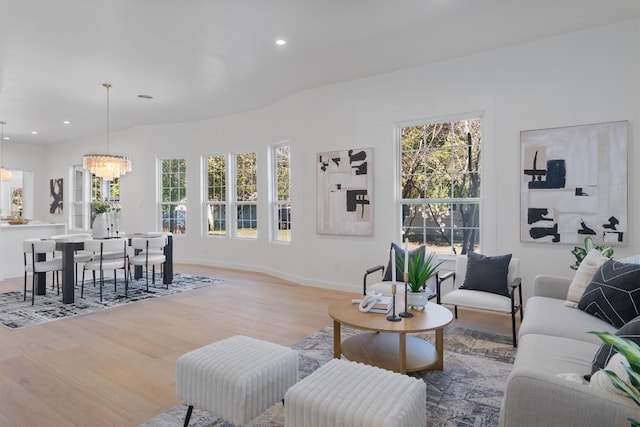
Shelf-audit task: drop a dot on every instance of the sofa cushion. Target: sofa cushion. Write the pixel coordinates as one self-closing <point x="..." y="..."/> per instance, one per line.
<point x="614" y="293"/>
<point x="554" y="355"/>
<point x="487" y="273"/>
<point x="606" y="351"/>
<point x="549" y="316"/>
<point x="584" y="275"/>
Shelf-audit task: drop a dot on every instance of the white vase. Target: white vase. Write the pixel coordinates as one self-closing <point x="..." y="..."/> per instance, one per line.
<point x="99" y="229"/>
<point x="417" y="300"/>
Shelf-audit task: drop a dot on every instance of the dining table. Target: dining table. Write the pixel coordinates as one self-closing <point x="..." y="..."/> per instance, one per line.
<point x="69" y="246"/>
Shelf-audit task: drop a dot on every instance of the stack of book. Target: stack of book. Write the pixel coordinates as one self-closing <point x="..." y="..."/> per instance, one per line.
<point x="384" y="305"/>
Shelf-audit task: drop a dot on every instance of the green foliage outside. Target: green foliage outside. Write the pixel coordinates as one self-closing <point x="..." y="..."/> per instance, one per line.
<point x="441" y="184"/>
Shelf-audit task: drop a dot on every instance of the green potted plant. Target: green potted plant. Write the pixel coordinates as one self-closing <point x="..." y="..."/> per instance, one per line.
<point x="631" y="351"/>
<point x="419" y="271"/>
<point x="580" y="253"/>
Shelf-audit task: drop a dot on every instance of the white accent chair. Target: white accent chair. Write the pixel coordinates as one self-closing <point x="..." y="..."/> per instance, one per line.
<point x="482" y="300"/>
<point x="148" y="251"/>
<point x="34" y="249"/>
<point x="79" y="256"/>
<point x="101" y="263"/>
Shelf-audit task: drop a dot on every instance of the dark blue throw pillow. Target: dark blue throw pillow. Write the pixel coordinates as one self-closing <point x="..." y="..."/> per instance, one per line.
<point x="630" y="331"/>
<point x="487" y="273"/>
<point x="614" y="293"/>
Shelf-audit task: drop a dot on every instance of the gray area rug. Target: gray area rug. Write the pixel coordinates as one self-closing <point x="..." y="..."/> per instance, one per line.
<point x="16" y="313"/>
<point x="467" y="393"/>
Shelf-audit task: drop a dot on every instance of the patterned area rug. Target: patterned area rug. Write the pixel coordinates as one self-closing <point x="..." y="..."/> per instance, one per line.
<point x="16" y="313"/>
<point x="467" y="393"/>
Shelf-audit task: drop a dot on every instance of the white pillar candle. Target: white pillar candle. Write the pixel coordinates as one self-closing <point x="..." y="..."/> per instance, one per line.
<point x="393" y="266"/>
<point x="406" y="256"/>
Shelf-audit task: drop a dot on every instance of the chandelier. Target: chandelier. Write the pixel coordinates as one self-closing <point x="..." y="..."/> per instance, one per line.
<point x="107" y="166"/>
<point x="4" y="174"/>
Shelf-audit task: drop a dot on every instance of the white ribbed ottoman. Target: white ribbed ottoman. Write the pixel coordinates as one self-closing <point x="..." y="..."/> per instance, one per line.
<point x="236" y="378"/>
<point x="351" y="394"/>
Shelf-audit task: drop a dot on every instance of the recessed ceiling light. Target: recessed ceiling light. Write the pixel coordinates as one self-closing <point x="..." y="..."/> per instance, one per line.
<point x="7" y="138"/>
<point x="281" y="42"/>
<point x="145" y="96"/>
<point x="67" y="122"/>
<point x="34" y="132"/>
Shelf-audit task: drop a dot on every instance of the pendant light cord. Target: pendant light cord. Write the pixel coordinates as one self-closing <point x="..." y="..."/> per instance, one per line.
<point x="107" y="85"/>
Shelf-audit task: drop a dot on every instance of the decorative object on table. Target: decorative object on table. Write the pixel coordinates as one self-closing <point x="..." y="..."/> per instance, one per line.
<point x="106" y="223"/>
<point x="394" y="317"/>
<point x="418" y="271"/>
<point x="55" y="196"/>
<point x="405" y="279"/>
<point x="18" y="221"/>
<point x="630" y="386"/>
<point x="107" y="166"/>
<point x="581" y="252"/>
<point x="344" y="190"/>
<point x="574" y="184"/>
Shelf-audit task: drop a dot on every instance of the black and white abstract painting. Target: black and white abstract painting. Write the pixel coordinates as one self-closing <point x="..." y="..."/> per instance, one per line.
<point x="344" y="192"/>
<point x="55" y="196"/>
<point x="574" y="184"/>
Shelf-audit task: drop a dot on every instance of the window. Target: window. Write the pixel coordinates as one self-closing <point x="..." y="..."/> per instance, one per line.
<point x="216" y="198"/>
<point x="280" y="194"/>
<point x="79" y="202"/>
<point x="102" y="190"/>
<point x="246" y="195"/>
<point x="440" y="184"/>
<point x="86" y="189"/>
<point x="173" y="205"/>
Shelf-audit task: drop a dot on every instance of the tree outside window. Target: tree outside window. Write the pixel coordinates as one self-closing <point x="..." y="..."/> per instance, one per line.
<point x="246" y="195"/>
<point x="440" y="184"/>
<point x="173" y="206"/>
<point x="216" y="204"/>
<point x="280" y="193"/>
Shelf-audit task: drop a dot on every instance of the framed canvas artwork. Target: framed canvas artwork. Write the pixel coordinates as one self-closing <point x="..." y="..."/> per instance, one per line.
<point x="344" y="186"/>
<point x="55" y="196"/>
<point x="574" y="184"/>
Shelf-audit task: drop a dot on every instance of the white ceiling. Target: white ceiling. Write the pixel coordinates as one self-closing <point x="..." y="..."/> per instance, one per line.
<point x="205" y="58"/>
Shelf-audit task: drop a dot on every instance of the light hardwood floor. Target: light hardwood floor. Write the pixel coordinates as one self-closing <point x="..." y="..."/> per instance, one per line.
<point x="117" y="367"/>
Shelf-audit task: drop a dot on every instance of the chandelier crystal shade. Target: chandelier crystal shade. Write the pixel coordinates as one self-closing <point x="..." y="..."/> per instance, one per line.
<point x="107" y="166"/>
<point x="4" y="173"/>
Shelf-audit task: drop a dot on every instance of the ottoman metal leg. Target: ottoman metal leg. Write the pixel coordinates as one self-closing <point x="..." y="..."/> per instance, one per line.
<point x="188" y="417"/>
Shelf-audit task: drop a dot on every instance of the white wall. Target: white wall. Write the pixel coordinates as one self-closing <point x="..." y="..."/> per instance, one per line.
<point x="581" y="78"/>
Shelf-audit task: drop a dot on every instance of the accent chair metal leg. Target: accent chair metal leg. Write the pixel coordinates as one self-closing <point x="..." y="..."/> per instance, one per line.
<point x="455" y="311"/>
<point x="513" y="326"/>
<point x="188" y="416"/>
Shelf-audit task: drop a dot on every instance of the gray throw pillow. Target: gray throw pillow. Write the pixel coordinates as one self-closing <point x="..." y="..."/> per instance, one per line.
<point x="614" y="293"/>
<point x="487" y="273"/>
<point x="400" y="266"/>
<point x="606" y="351"/>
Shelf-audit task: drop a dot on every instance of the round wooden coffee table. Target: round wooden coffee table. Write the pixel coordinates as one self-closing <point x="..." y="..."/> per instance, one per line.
<point x="388" y="346"/>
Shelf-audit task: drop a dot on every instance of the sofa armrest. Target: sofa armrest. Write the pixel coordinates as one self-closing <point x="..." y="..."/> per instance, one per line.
<point x="534" y="398"/>
<point x="545" y="285"/>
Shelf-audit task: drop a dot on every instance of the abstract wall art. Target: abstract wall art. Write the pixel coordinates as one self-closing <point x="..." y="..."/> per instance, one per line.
<point x="574" y="184"/>
<point x="55" y="196"/>
<point x="344" y="192"/>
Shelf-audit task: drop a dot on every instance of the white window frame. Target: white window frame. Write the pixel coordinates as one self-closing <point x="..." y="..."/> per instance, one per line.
<point x="162" y="203"/>
<point x="276" y="204"/>
<point x="82" y="207"/>
<point x="425" y="201"/>
<point x="234" y="203"/>
<point x="223" y="204"/>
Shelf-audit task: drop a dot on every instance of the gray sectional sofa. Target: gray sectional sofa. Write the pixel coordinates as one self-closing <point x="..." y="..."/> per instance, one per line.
<point x="553" y="342"/>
